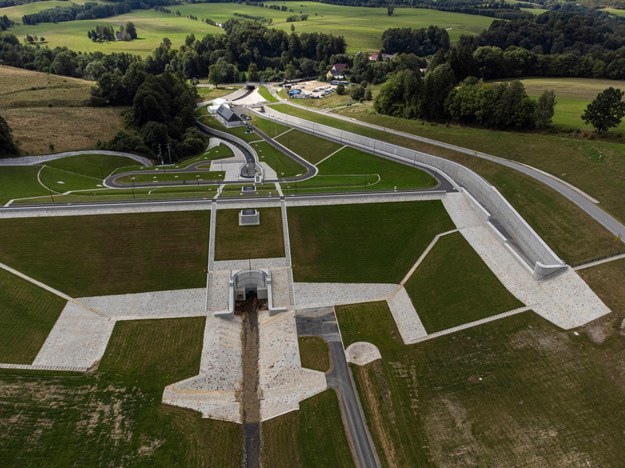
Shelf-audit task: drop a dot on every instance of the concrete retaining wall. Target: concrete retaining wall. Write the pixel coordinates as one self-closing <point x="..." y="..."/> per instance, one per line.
<point x="540" y="258"/>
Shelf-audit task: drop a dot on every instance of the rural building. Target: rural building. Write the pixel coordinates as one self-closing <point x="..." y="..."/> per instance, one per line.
<point x="228" y="117"/>
<point x="338" y="71"/>
<point x="377" y="56"/>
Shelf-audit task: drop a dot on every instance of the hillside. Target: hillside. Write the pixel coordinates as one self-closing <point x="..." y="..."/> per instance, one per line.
<point x="44" y="110"/>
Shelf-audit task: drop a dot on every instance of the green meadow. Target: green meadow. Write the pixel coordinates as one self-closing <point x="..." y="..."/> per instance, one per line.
<point x="361" y="26"/>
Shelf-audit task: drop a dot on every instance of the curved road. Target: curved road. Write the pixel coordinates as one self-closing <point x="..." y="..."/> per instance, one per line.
<point x="581" y="199"/>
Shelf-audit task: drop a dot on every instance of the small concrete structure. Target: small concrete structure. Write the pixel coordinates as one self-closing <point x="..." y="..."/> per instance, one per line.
<point x="249" y="217"/>
<point x="249" y="283"/>
<point x="362" y="353"/>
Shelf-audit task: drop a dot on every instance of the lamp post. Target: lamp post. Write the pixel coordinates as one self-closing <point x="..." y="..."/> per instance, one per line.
<point x="133" y="188"/>
<point x="197" y="178"/>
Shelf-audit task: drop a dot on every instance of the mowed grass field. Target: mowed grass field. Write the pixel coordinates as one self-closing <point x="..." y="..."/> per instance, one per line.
<point x="234" y="242"/>
<point x="152" y="26"/>
<point x="573" y="234"/>
<point x="312" y="148"/>
<point x="362" y="27"/>
<point x="284" y="165"/>
<point x="313" y="436"/>
<point x="314" y="353"/>
<point x="27" y="314"/>
<point x="453" y="286"/>
<point x="115" y="415"/>
<point x="46" y="110"/>
<point x="352" y="169"/>
<point x="110" y="254"/>
<point x="514" y="392"/>
<point x="369" y="243"/>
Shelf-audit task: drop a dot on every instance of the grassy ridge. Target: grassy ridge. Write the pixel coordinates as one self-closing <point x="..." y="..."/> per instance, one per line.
<point x="311" y="437"/>
<point x="27" y="314"/>
<point x="243" y="242"/>
<point x="118" y="253"/>
<point x="453" y="286"/>
<point x="115" y="415"/>
<point x="484" y="395"/>
<point x="348" y="243"/>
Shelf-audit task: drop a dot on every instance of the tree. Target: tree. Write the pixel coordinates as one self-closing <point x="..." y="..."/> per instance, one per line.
<point x="606" y="110"/>
<point x="222" y="72"/>
<point x="340" y="89"/>
<point x="390" y="10"/>
<point x="131" y="30"/>
<point x="545" y="109"/>
<point x="8" y="147"/>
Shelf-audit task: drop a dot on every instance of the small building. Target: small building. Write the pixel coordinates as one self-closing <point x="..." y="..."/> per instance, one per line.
<point x="249" y="217"/>
<point x="216" y="104"/>
<point x="374" y="57"/>
<point x="227" y="117"/>
<point x="338" y="71"/>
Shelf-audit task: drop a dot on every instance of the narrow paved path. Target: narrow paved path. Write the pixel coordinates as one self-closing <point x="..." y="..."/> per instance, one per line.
<point x="322" y="322"/>
<point x="250" y="407"/>
<point x="33" y="160"/>
<point x="581" y="199"/>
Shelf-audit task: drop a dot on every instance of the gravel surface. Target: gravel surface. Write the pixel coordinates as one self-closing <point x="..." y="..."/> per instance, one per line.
<point x="362" y="353"/>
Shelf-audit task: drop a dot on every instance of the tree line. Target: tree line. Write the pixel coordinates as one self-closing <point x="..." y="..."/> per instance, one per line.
<point x="106" y="32"/>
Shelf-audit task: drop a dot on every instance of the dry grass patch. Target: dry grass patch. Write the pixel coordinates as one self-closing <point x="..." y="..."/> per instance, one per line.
<point x="44" y="109"/>
<point x="234" y="242"/>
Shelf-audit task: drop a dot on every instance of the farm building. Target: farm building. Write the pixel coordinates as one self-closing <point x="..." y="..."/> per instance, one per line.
<point x="338" y="71"/>
<point x="227" y="117"/>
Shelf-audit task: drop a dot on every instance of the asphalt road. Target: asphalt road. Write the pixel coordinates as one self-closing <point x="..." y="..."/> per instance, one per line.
<point x="322" y="322"/>
<point x="582" y="200"/>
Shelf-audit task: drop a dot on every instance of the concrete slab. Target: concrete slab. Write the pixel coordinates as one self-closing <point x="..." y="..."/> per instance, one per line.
<point x="362" y="353"/>
<point x="157" y="304"/>
<point x="406" y="317"/>
<point x="78" y="339"/>
<point x="283" y="383"/>
<point x="310" y="295"/>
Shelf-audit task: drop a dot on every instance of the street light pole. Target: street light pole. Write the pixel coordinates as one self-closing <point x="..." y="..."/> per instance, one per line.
<point x="133" y="188"/>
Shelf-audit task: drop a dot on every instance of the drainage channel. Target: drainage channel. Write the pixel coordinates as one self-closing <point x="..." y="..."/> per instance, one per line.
<point x="250" y="407"/>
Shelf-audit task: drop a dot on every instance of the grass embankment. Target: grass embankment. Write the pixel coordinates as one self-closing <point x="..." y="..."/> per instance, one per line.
<point x="311" y="437"/>
<point x="110" y="254"/>
<point x="44" y="110"/>
<point x="284" y="165"/>
<point x="314" y="353"/>
<point x="370" y="243"/>
<point x="573" y="234"/>
<point x="242" y="242"/>
<point x="115" y="415"/>
<point x="164" y="176"/>
<point x="352" y="169"/>
<point x="269" y="127"/>
<point x="206" y="94"/>
<point x="312" y="148"/>
<point x="453" y="286"/>
<point x="503" y="393"/>
<point x="266" y="94"/>
<point x="27" y="314"/>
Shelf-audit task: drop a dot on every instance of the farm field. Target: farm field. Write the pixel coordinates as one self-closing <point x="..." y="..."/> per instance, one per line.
<point x="362" y="27"/>
<point x="503" y="393"/>
<point x="352" y="169"/>
<point x="45" y="110"/>
<point x="27" y="314"/>
<point x="312" y="436"/>
<point x="152" y="27"/>
<point x="454" y="286"/>
<point x="118" y="253"/>
<point x="234" y="242"/>
<point x="573" y="234"/>
<point x="114" y="415"/>
<point x="314" y="353"/>
<point x="349" y="244"/>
